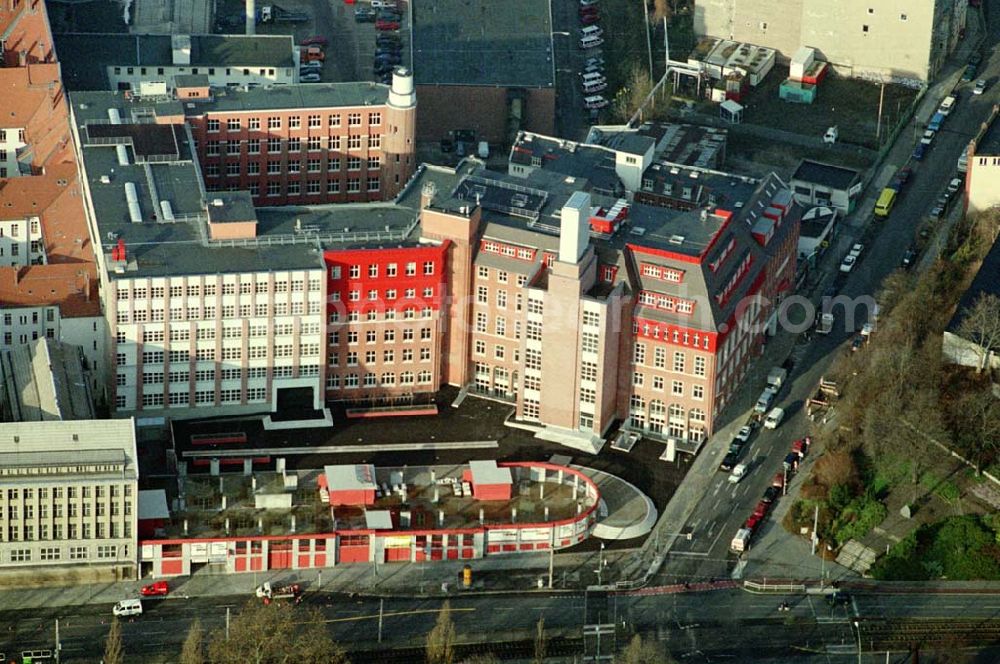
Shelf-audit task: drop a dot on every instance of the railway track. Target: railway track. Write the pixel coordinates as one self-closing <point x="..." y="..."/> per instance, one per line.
<point x="522" y="649"/>
<point x="882" y="634"/>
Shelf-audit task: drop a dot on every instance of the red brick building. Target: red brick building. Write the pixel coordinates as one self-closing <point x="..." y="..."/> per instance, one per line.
<point x="308" y="144"/>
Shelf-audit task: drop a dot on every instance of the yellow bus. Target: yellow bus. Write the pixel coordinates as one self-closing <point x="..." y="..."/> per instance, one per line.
<point x="885" y="202"/>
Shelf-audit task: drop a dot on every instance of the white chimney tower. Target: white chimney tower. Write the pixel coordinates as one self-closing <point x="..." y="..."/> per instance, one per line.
<point x="574" y="228"/>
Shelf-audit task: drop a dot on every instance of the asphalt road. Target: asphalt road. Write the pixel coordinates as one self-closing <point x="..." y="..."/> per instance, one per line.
<point x="724" y="507"/>
<point x="697" y="626"/>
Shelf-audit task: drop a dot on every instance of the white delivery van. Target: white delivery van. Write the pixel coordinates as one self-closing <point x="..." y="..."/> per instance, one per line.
<point x="128" y="607"/>
<point x="739" y="472"/>
<point x="590" y="41"/>
<point x="741" y="542"/>
<point x="591" y="31"/>
<point x="774" y="418"/>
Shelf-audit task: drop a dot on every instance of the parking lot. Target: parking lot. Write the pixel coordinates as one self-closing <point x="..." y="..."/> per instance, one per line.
<point x="351" y="44"/>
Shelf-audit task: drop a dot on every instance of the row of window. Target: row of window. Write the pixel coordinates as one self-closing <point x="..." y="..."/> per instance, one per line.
<point x="371" y="336"/>
<point x="275" y="146"/>
<point x="227" y="353"/>
<point x="98" y="491"/>
<point x="202" y="397"/>
<point x="72" y="510"/>
<point x="70" y="531"/>
<point x="229" y="311"/>
<point x="210" y="290"/>
<point x="387" y="379"/>
<point x="371" y="357"/>
<point x="313" y="120"/>
<point x="676" y="386"/>
<point x="391" y="270"/>
<point x="294" y="188"/>
<point x="294" y="167"/>
<point x="52" y="553"/>
<point x="209" y="333"/>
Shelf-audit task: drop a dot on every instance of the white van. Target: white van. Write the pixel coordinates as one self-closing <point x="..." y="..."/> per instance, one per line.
<point x="593" y="88"/>
<point x="596" y="101"/>
<point x="591" y="31"/>
<point x="589" y="78"/>
<point x="128" y="607"/>
<point x="946" y="105"/>
<point x="774" y="418"/>
<point x="590" y="42"/>
<point x="739" y="472"/>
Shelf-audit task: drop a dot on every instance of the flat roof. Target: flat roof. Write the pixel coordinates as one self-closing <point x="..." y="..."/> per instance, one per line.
<point x="45" y="380"/>
<point x="279" y="97"/>
<point x="153" y="504"/>
<point x="354" y="477"/>
<point x="481" y="42"/>
<point x="434" y="500"/>
<point x="834" y="177"/>
<point x="85" y="56"/>
<point x="226" y="207"/>
<point x="378" y="519"/>
<point x="487" y="472"/>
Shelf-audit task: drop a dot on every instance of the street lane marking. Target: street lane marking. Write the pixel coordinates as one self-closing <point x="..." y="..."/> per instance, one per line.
<point x="391" y="614"/>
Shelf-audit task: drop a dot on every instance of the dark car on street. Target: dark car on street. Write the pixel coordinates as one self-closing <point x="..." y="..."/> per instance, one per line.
<point x="909" y="258"/>
<point x="365" y="15"/>
<point x="728" y="462"/>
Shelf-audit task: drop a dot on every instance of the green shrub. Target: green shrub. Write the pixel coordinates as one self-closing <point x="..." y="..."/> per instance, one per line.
<point x="958" y="548"/>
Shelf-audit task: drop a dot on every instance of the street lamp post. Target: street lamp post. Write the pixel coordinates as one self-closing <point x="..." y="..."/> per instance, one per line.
<point x="600" y="563"/>
<point x="857" y="626"/>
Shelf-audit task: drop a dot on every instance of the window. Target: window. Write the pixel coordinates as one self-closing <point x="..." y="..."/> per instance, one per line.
<point x="679" y="362"/>
<point x="677" y="388"/>
<point x="374" y="119"/>
<point x="589" y="342"/>
<point x="334" y="120"/>
<point x="274" y="123"/>
<point x="638" y="379"/>
<point x="698" y="391"/>
<point x="639" y="354"/>
<point x="374" y="184"/>
<point x="699" y="366"/>
<point x="353" y="119"/>
<point x="295" y="122"/>
<point x="213" y="125"/>
<point x="482" y="295"/>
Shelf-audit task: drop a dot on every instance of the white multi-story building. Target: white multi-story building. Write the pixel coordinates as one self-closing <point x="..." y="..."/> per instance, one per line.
<point x="11" y="140"/>
<point x="68" y="494"/>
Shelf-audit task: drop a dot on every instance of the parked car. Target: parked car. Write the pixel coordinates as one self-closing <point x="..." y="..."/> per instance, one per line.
<point x="159" y="588"/>
<point x="975" y="59"/>
<point x="762" y="508"/>
<point x="771" y="494"/>
<point x="909" y="258"/>
<point x="317" y="40"/>
<point x="955" y="186"/>
<point x="980" y="87"/>
<point x="919" y="152"/>
<point x="589" y="19"/>
<point x="856" y="250"/>
<point x="728" y="462"/>
<point x="970" y="73"/>
<point x="936" y="212"/>
<point x="753" y="521"/>
<point x="365" y="15"/>
<point x="774" y="418"/>
<point x="313" y="64"/>
<point x="311" y="77"/>
<point x="848" y="263"/>
<point x="384" y="4"/>
<point x="778" y="481"/>
<point x="390" y="58"/>
<point x="127" y="607"/>
<point x="857" y="343"/>
<point x="383" y="25"/>
<point x="587" y="3"/>
<point x="743" y="435"/>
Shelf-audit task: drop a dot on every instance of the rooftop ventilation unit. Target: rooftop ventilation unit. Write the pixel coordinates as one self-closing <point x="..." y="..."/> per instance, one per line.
<point x="105" y="179"/>
<point x="122" y="154"/>
<point x="114" y="116"/>
<point x="638" y="231"/>
<point x="168" y="211"/>
<point x="217" y="202"/>
<point x="676" y="239"/>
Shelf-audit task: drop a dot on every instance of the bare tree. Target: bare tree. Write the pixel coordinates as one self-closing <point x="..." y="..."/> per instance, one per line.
<point x="441" y="640"/>
<point x="192" y="651"/>
<point x="981" y="326"/>
<point x="639" y="651"/>
<point x="114" y="652"/>
<point x="274" y="634"/>
<point x="977" y="425"/>
<point x="541" y="644"/>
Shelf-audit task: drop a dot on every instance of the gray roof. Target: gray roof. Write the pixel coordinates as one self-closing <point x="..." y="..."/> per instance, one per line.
<point x="61" y="443"/>
<point x="480" y="42"/>
<point x="45" y="380"/>
<point x="191" y="80"/>
<point x="85" y="56"/>
<point x="304" y="95"/>
<point x="828" y="175"/>
<point x="231" y="206"/>
<point x="596" y="164"/>
<point x="986" y="282"/>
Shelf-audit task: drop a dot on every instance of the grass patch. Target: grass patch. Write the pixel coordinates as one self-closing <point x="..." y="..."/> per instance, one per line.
<point x="944" y="489"/>
<point x="958" y="548"/>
